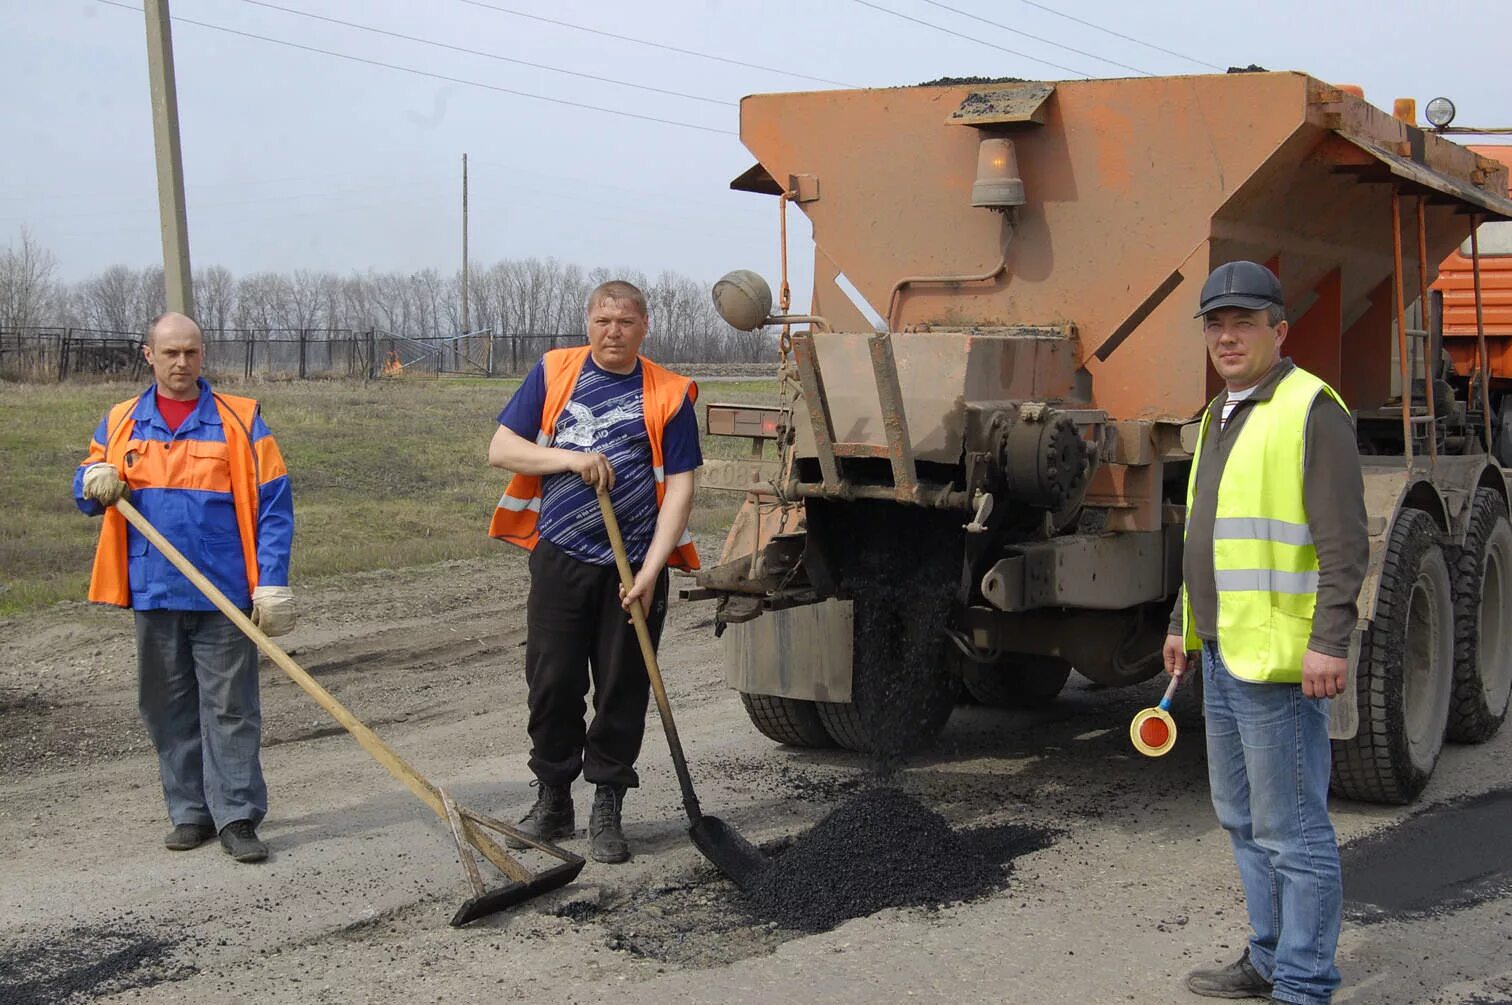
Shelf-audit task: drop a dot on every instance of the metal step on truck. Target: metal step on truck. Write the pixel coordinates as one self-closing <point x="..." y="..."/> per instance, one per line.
<point x="974" y="474"/>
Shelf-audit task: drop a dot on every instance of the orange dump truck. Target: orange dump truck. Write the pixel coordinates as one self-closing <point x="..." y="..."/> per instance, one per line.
<point x="975" y="475"/>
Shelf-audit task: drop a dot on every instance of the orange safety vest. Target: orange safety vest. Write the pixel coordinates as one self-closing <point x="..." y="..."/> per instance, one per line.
<point x="662" y="392"/>
<point x="110" y="582"/>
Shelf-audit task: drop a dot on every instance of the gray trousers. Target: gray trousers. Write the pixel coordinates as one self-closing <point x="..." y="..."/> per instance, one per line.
<point x="197" y="692"/>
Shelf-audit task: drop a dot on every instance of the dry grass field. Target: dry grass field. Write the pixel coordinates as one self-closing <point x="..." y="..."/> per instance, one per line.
<point x="387" y="475"/>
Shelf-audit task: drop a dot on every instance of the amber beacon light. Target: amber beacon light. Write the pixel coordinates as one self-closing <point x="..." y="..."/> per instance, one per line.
<point x="997" y="185"/>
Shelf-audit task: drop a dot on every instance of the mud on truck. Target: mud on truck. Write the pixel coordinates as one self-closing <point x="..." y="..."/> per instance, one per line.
<point x="975" y="474"/>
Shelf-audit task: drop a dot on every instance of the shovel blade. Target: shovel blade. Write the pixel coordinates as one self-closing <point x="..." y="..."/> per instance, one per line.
<point x="731" y="853"/>
<point x="516" y="893"/>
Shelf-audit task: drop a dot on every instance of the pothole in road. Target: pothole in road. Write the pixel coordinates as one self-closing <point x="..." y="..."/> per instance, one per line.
<point x="84" y="963"/>
<point x="1443" y="859"/>
<point x="877" y="850"/>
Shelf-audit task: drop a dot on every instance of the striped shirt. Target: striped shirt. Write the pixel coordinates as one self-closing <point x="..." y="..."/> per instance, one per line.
<point x="604" y="415"/>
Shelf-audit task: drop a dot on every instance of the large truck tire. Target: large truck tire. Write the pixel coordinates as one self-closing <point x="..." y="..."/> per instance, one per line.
<point x="901" y="693"/>
<point x="1019" y="681"/>
<point x="1405" y="675"/>
<point x="1482" y="622"/>
<point x="786" y="720"/>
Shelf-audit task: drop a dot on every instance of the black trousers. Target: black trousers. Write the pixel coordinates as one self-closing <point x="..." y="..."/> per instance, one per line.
<point x="577" y="631"/>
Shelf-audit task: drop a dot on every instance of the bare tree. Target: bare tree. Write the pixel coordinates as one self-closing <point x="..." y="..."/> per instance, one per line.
<point x="257" y="301"/>
<point x="154" y="298"/>
<point x="27" y="291"/>
<point x="214" y="297"/>
<point x="297" y="300"/>
<point x="113" y="300"/>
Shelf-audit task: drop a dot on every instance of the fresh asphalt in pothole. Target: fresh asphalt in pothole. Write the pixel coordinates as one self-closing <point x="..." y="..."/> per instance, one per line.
<point x="1441" y="859"/>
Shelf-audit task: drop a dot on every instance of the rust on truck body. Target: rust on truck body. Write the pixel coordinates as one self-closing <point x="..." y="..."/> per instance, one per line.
<point x="1135" y="188"/>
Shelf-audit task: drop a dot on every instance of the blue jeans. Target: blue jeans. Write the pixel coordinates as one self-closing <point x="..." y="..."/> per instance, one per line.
<point x="1268" y="765"/>
<point x="197" y="692"/>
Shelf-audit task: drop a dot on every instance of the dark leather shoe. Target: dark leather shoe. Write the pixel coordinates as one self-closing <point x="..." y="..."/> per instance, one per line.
<point x="604" y="828"/>
<point x="187" y="836"/>
<point x="1239" y="979"/>
<point x="240" y="840"/>
<point x="549" y="819"/>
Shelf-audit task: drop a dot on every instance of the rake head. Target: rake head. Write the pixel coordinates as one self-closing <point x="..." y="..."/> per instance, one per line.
<point x="468" y="828"/>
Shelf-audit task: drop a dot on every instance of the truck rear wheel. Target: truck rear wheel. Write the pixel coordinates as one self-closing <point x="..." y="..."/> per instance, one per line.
<point x="1405" y="673"/>
<point x="1018" y="681"/>
<point x="901" y="695"/>
<point x="1482" y="622"/>
<point x="786" y="720"/>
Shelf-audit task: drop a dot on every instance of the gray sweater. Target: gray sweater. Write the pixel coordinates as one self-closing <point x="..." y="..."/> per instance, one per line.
<point x="1333" y="492"/>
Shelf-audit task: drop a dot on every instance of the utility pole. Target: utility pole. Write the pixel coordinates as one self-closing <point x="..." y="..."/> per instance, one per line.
<point x="465" y="326"/>
<point x="177" y="282"/>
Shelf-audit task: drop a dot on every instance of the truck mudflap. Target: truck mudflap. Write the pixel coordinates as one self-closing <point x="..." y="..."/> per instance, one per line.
<point x="798" y="652"/>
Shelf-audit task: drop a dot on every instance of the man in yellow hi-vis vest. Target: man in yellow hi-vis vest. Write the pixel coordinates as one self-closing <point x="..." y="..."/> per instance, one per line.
<point x="1276" y="550"/>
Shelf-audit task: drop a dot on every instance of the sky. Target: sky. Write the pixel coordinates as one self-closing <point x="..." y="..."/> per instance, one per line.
<point x="300" y="159"/>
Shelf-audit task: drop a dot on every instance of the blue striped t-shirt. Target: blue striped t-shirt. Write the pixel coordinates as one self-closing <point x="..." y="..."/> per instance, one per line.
<point x="605" y="415"/>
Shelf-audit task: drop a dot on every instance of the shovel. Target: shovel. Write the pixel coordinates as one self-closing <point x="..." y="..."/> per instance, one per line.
<point x="1152" y="730"/>
<point x="720" y="843"/>
<point x="466" y="826"/>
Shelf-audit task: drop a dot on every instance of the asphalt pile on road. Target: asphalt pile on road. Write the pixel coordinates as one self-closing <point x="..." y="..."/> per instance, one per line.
<point x="84" y="963"/>
<point x="879" y="849"/>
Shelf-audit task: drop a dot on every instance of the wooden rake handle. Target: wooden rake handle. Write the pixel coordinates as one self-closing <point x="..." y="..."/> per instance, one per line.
<point x="380" y="751"/>
<point x="648" y="654"/>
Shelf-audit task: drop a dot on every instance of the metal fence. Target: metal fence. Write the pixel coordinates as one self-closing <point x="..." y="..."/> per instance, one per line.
<point x="56" y="354"/>
<point x="60" y="354"/>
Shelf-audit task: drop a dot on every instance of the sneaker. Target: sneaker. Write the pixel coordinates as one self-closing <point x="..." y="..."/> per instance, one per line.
<point x="549" y="819"/>
<point x="187" y="836"/>
<point x="604" y="830"/>
<point x="240" y="840"/>
<point x="1239" y="979"/>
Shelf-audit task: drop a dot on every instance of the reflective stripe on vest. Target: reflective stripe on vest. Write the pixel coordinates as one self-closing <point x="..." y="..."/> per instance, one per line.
<point x="517" y="515"/>
<point x="1265" y="567"/>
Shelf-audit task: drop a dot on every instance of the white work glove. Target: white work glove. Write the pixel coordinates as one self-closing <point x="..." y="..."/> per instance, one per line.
<point x="102" y="483"/>
<point x="273" y="609"/>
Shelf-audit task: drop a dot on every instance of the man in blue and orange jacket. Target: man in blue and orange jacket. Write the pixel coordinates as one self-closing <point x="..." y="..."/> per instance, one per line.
<point x="202" y="468"/>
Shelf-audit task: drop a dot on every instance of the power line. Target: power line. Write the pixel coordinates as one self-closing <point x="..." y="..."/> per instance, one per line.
<point x="487" y="55"/>
<point x="433" y="76"/>
<point x="1126" y="38"/>
<point x="654" y="45"/>
<point x="1016" y="31"/>
<point x="936" y="27"/>
<point x="149" y="208"/>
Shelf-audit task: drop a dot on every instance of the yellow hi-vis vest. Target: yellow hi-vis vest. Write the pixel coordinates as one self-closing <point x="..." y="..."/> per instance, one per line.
<point x="1265" y="566"/>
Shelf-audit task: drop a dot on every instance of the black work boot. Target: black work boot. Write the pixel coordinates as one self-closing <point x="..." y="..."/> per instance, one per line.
<point x="550" y="818"/>
<point x="604" y="828"/>
<point x="188" y="836"/>
<point x="240" y="840"/>
<point x="1239" y="979"/>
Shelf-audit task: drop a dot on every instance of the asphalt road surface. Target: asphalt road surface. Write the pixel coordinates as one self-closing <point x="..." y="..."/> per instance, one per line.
<point x="1114" y="879"/>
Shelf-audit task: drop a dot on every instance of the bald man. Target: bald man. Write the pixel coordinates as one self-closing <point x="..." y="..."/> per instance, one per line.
<point x="203" y="468"/>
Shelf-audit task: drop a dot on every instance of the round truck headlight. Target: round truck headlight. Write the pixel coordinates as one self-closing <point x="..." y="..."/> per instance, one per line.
<point x="743" y="299"/>
<point x="1439" y="112"/>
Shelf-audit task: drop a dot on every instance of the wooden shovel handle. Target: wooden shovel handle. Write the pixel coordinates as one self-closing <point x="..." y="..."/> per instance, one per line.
<point x="648" y="654"/>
